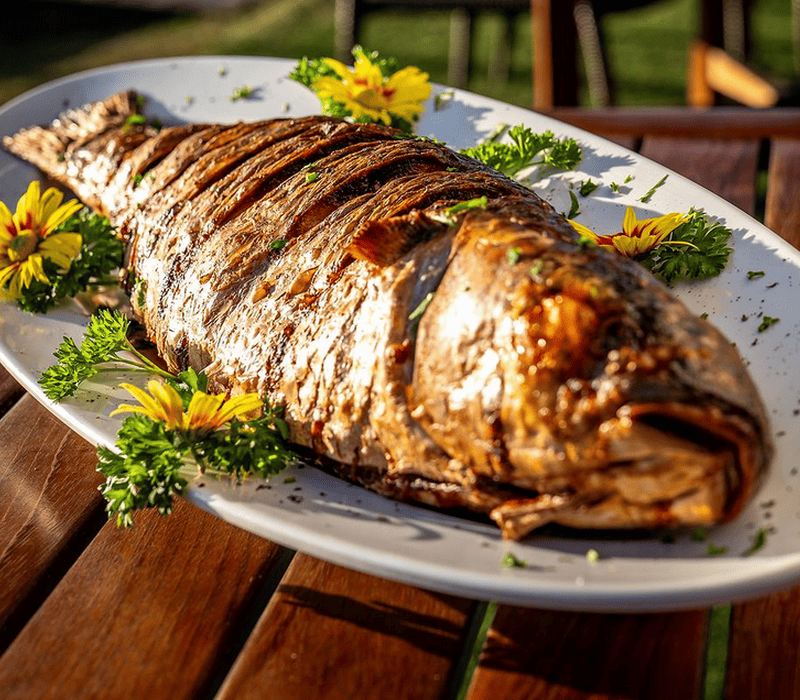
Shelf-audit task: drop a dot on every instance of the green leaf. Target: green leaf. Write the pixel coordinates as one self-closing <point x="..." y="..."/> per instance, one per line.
<point x="144" y="472"/>
<point x="527" y="149"/>
<point x="695" y="250"/>
<point x="103" y="339"/>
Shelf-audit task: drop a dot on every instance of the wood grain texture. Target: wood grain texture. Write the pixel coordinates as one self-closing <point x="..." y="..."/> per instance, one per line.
<point x="764" y="653"/>
<point x="782" y="206"/>
<point x="550" y="655"/>
<point x="48" y="503"/>
<point x="333" y="633"/>
<point x="727" y="168"/>
<point x="154" y="612"/>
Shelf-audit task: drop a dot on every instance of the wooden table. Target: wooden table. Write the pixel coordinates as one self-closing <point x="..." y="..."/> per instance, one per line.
<point x="191" y="607"/>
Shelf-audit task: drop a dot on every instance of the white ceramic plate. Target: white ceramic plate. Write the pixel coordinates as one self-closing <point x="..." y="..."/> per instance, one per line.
<point x="325" y="517"/>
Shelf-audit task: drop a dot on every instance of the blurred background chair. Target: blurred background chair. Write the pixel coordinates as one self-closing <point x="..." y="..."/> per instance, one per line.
<point x="569" y="47"/>
<point x="349" y="16"/>
<point x="717" y="69"/>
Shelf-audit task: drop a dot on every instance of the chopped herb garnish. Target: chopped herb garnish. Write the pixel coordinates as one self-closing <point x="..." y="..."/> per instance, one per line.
<point x="592" y="556"/>
<point x="587" y="187"/>
<point x="242" y="93"/>
<point x="136" y="120"/>
<point x="575" y="207"/>
<point x="513" y="255"/>
<point x="442" y="98"/>
<point x="699" y="534"/>
<point x="510" y="561"/>
<point x="416" y="314"/>
<point x="278" y="244"/>
<point x="477" y="203"/>
<point x="759" y="541"/>
<point x="311" y="177"/>
<point x="649" y="194"/>
<point x="527" y="149"/>
<point x="536" y="269"/>
<point x="715" y="550"/>
<point x="628" y="178"/>
<point x="755" y="274"/>
<point x="766" y="323"/>
<point x="614" y="187"/>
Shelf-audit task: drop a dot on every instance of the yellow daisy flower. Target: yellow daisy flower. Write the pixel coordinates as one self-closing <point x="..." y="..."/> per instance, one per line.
<point x="365" y="92"/>
<point x="27" y="238"/>
<point x="205" y="413"/>
<point x="638" y="236"/>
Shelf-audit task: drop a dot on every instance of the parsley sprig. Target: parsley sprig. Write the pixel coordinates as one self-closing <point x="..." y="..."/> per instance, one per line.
<point x="100" y="254"/>
<point x="695" y="250"/>
<point x="104" y="347"/>
<point x="527" y="149"/>
<point x="151" y="460"/>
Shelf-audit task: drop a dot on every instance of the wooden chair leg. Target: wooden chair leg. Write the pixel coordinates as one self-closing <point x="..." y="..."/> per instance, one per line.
<point x="550" y="18"/>
<point x="459" y="49"/>
<point x="344" y="26"/>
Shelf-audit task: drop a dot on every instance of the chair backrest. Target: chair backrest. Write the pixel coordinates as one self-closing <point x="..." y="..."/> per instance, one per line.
<point x="561" y="28"/>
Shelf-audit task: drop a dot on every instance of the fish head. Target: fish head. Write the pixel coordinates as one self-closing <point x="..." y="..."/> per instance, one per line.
<point x="574" y="377"/>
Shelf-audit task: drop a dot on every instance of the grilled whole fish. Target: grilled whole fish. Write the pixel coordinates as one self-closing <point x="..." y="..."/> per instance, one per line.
<point x="559" y="384"/>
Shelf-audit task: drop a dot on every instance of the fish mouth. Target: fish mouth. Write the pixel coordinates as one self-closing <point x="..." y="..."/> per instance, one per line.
<point x="660" y="465"/>
<point x="729" y="438"/>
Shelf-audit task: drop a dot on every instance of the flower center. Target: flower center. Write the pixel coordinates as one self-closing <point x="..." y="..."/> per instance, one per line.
<point x="370" y="95"/>
<point x="22" y="245"/>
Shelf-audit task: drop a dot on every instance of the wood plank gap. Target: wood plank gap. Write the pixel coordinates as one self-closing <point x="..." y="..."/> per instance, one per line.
<point x="482" y="620"/>
<point x="532" y="653"/>
<point x="248" y="621"/>
<point x="716" y="661"/>
<point x="331" y="633"/>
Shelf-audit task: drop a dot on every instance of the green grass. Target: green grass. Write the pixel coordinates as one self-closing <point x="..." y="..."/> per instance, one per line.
<point x="647" y="46"/>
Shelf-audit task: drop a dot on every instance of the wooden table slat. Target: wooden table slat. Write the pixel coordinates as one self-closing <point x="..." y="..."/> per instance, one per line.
<point x="732" y="176"/>
<point x="782" y="213"/>
<point x="576" y="656"/>
<point x="153" y="612"/>
<point x="48" y="503"/>
<point x="332" y="633"/>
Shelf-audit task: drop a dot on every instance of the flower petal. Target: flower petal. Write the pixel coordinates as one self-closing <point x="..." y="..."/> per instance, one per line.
<point x="61" y="248"/>
<point x="240" y="406"/>
<point x="170" y="402"/>
<point x="59" y="216"/>
<point x="202" y="411"/>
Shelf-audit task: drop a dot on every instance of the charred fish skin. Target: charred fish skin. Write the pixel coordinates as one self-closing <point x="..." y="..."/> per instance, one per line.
<point x="288" y="256"/>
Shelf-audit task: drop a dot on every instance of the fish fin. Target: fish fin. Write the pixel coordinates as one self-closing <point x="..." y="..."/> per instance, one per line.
<point x="45" y="147"/>
<point x="383" y="242"/>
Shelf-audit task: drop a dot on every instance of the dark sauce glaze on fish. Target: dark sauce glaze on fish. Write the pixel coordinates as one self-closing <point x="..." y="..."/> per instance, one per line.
<point x="557" y="385"/>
